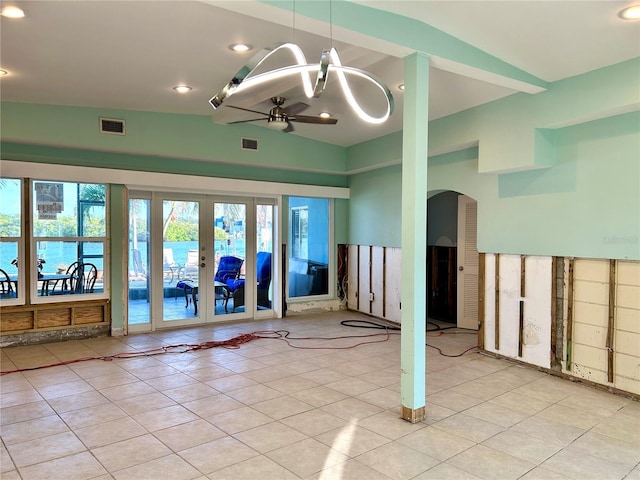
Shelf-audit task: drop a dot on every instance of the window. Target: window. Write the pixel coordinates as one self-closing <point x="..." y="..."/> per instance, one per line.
<point x="11" y="241"/>
<point x="69" y="239"/>
<point x="309" y="246"/>
<point x="300" y="232"/>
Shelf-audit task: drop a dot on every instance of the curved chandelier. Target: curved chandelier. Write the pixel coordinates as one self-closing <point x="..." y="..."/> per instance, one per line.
<point x="329" y="62"/>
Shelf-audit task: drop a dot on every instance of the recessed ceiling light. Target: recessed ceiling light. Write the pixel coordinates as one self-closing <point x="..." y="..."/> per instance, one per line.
<point x="630" y="13"/>
<point x="325" y="115"/>
<point x="239" y="47"/>
<point x="3" y="72"/>
<point x="12" y="12"/>
<point x="182" y="88"/>
<point x="401" y="87"/>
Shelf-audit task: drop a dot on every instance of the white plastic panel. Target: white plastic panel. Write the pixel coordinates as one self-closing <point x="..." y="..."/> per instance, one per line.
<point x="363" y="280"/>
<point x="392" y="284"/>
<point x="377" y="281"/>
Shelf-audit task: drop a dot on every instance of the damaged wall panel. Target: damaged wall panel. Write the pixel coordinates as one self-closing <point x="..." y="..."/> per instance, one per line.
<point x="392" y="298"/>
<point x="529" y="340"/>
<point x="627" y="333"/>
<point x="561" y="303"/>
<point x="590" y="317"/>
<point x="373" y="285"/>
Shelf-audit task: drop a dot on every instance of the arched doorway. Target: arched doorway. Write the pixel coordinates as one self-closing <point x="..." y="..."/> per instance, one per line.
<point x="452" y="259"/>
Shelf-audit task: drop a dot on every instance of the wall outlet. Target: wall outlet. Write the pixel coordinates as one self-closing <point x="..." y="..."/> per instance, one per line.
<point x="371" y="296"/>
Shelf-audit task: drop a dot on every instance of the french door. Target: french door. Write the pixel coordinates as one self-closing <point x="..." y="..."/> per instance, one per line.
<point x="209" y="259"/>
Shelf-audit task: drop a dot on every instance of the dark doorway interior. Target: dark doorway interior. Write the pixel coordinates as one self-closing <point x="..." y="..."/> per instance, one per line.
<point x="441" y="283"/>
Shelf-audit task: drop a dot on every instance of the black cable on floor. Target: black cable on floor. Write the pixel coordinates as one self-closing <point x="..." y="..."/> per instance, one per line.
<point x="379" y="326"/>
<point x="367" y="324"/>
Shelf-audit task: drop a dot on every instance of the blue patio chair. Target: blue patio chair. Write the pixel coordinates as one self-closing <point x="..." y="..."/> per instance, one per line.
<point x="235" y="287"/>
<point x="228" y="273"/>
<point x="263" y="271"/>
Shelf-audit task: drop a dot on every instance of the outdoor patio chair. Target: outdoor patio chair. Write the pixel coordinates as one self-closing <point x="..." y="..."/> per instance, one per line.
<point x="83" y="278"/>
<point x="6" y="286"/>
<point x="170" y="269"/>
<point x="263" y="271"/>
<point x="228" y="273"/>
<point x="191" y="266"/>
<point x="63" y="287"/>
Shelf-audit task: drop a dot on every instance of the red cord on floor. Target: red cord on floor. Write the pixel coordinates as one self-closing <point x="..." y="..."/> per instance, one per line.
<point x="234" y="342"/>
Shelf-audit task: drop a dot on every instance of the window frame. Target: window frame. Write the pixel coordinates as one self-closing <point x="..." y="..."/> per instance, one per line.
<point x="21" y="297"/>
<point x="35" y="298"/>
<point x="330" y="250"/>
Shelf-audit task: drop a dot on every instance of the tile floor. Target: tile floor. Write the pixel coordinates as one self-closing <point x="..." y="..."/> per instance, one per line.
<point x="269" y="411"/>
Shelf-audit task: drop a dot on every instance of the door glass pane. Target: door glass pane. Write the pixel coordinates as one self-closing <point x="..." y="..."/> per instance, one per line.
<point x="230" y="248"/>
<point x="308" y="246"/>
<point x="264" y="263"/>
<point x="180" y="270"/>
<point x="139" y="256"/>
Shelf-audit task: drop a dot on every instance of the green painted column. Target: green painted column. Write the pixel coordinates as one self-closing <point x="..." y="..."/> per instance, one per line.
<point x="414" y="235"/>
<point x="119" y="234"/>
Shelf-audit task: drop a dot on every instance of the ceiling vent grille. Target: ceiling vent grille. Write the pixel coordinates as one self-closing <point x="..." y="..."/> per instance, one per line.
<point x="112" y="126"/>
<point x="249" y="144"/>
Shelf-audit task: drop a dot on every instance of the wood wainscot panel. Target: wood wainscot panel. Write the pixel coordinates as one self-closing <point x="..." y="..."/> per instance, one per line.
<point x="23" y="319"/>
<point x="16" y="321"/>
<point x="85" y="315"/>
<point x="60" y="317"/>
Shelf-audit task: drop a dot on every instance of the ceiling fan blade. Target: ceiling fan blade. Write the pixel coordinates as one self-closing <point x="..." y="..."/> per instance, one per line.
<point x="308" y="119"/>
<point x="248" y="110"/>
<point x="245" y="121"/>
<point x="294" y="109"/>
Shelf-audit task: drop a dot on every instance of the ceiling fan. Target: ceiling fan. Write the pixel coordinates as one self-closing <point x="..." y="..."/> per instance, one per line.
<point x="280" y="117"/>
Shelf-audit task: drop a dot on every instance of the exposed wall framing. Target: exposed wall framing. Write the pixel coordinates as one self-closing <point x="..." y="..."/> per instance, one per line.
<point x="606" y="323"/>
<point x="481" y="295"/>
<point x="373" y="285"/>
<point x="577" y="318"/>
<point x="569" y="342"/>
<point x="557" y="312"/>
<point x="611" y="319"/>
<point x="496" y="311"/>
<point x="523" y="294"/>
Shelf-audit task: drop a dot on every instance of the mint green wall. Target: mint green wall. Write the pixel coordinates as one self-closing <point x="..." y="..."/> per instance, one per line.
<point x="340" y="220"/>
<point x="375" y="207"/>
<point x="588" y="205"/>
<point x="160" y="138"/>
<point x="150" y="163"/>
<point x="580" y="198"/>
<point x="508" y="130"/>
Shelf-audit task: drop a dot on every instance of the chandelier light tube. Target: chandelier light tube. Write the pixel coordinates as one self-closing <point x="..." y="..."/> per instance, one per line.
<point x="330" y="62"/>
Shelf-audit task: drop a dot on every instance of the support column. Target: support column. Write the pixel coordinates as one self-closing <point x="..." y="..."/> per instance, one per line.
<point x="414" y="235"/>
<point x="119" y="207"/>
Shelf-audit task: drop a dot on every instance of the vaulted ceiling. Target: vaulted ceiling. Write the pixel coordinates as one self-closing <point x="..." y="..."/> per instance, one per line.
<point x="129" y="54"/>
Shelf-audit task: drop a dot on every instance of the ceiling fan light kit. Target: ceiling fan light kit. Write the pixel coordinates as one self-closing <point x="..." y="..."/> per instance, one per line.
<point x="280" y="118"/>
<point x="329" y="62"/>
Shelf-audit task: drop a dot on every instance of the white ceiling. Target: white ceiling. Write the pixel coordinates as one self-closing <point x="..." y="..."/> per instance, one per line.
<point x="128" y="54"/>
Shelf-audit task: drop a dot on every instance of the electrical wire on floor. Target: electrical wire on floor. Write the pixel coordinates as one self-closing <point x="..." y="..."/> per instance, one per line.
<point x="282" y="335"/>
<point x="438" y="328"/>
<point x="232" y="343"/>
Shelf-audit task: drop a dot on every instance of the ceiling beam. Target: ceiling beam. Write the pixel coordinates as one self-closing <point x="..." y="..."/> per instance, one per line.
<point x="390" y="34"/>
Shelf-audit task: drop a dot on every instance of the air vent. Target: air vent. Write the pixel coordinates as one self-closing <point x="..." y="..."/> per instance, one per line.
<point x="112" y="126"/>
<point x="249" y="144"/>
